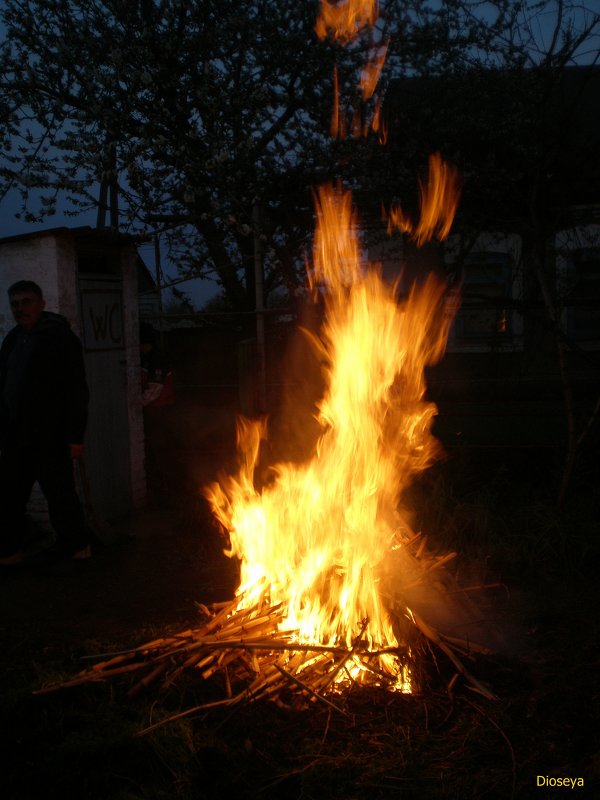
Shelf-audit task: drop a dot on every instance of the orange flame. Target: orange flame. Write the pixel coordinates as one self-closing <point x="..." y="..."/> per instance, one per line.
<point x="399" y="220"/>
<point x="438" y="200"/>
<point x="336" y="259"/>
<point x="345" y="19"/>
<point x="371" y="73"/>
<point x="377" y="124"/>
<point x="317" y="539"/>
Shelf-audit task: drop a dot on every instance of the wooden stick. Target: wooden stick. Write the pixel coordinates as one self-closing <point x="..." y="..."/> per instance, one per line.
<point x="188" y="711"/>
<point x="343" y="661"/>
<point x="310" y="691"/>
<point x="89" y="677"/>
<point x="148" y="679"/>
<point x="435" y="637"/>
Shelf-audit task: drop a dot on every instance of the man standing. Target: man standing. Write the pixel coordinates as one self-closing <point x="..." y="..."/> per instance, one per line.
<point x="43" y="416"/>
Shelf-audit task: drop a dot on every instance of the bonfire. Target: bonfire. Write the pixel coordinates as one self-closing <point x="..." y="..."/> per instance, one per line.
<point x="336" y="589"/>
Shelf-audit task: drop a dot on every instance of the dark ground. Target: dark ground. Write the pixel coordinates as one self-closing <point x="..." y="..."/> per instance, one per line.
<point x="83" y="742"/>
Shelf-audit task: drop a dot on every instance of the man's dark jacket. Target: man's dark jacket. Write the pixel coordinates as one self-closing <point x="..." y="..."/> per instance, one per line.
<point x="43" y="390"/>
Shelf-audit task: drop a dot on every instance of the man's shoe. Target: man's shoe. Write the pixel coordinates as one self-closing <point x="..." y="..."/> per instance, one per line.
<point x="14" y="560"/>
<point x="58" y="552"/>
<point x="83" y="554"/>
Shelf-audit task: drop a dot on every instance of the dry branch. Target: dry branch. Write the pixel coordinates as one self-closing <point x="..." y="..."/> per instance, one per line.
<point x="254" y="658"/>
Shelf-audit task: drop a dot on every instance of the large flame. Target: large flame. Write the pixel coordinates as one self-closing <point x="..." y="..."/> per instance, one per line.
<point x="316" y="539"/>
<point x="343" y="20"/>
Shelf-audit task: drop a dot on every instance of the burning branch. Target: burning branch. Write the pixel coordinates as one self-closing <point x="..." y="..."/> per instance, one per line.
<point x="253" y="658"/>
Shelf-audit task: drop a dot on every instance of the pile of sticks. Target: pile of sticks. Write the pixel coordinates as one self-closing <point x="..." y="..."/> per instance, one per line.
<point x="246" y="647"/>
<point x="255" y="658"/>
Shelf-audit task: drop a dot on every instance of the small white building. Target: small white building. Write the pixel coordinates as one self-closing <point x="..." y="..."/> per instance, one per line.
<point x="90" y="277"/>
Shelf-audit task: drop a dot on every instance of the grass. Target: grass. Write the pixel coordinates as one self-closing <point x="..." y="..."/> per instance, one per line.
<point x="382" y="743"/>
<point x="436" y="745"/>
<point x="507" y="524"/>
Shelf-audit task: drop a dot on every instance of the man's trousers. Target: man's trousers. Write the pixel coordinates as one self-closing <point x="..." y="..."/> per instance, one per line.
<point x="52" y="468"/>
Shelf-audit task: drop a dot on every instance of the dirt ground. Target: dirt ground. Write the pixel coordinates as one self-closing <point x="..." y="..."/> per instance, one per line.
<point x="151" y="573"/>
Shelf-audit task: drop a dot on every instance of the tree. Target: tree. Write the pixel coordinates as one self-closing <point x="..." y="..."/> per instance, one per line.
<point x="200" y="113"/>
<point x="198" y="110"/>
<point x="213" y="119"/>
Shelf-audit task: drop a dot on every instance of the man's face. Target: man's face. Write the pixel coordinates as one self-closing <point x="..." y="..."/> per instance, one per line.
<point x="26" y="308"/>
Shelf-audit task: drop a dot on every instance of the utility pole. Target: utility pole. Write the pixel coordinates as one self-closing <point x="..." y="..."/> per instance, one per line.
<point x="109" y="191"/>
